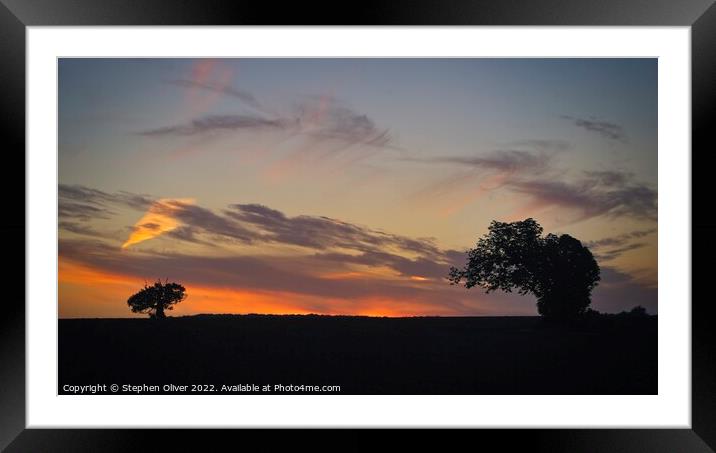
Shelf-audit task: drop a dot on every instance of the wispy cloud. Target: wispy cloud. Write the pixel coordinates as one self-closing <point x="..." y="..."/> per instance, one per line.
<point x="207" y="82"/>
<point x="79" y="206"/>
<point x="620" y="239"/>
<point x="510" y="161"/>
<point x="242" y="95"/>
<point x="311" y="133"/>
<point x="424" y="268"/>
<point x="535" y="174"/>
<point x="79" y="203"/>
<point x="327" y="118"/>
<point x="606" y="129"/>
<point x="87" y="197"/>
<point x="204" y="221"/>
<point x="81" y="211"/>
<point x="216" y="123"/>
<point x="322" y="233"/>
<point x="614" y="253"/>
<point x="540" y="144"/>
<point x="478" y="174"/>
<point x="321" y="118"/>
<point x="609" y="248"/>
<point x="611" y="194"/>
<point x="79" y="228"/>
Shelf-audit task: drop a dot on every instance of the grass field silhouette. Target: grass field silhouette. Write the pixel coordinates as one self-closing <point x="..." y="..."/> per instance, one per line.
<point x="366" y="355"/>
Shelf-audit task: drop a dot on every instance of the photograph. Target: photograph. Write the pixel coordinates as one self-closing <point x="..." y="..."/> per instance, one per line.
<point x="357" y="226"/>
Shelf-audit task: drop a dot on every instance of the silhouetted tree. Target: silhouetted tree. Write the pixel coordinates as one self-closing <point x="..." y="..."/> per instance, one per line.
<point x="558" y="270"/>
<point x="154" y="299"/>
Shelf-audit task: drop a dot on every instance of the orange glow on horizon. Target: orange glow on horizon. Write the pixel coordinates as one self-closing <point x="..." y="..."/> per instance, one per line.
<point x="89" y="292"/>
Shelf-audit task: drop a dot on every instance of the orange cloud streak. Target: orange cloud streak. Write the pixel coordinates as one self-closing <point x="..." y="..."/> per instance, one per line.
<point x="158" y="220"/>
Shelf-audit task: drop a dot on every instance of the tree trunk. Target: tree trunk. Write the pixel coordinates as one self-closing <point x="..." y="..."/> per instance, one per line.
<point x="159" y="312"/>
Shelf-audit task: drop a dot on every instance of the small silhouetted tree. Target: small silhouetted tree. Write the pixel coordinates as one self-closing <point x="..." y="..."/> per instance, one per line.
<point x="154" y="299"/>
<point x="558" y="270"/>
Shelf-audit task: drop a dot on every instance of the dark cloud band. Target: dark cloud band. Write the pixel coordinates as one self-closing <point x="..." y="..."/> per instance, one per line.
<point x="606" y="129"/>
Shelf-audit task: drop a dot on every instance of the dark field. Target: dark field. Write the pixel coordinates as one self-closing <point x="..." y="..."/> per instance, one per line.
<point x="480" y="355"/>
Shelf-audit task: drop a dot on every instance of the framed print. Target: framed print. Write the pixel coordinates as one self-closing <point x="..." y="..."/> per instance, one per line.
<point x="484" y="220"/>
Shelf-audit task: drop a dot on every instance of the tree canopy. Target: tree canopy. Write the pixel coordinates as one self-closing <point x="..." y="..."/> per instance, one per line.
<point x="558" y="270"/>
<point x="154" y="299"/>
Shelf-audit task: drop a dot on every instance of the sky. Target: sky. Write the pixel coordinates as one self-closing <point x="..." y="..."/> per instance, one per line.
<point x="347" y="186"/>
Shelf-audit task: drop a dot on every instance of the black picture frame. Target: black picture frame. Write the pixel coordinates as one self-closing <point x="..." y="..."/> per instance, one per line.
<point x="16" y="15"/>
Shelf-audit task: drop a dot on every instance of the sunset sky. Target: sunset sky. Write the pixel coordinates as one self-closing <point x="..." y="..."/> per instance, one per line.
<point x="347" y="186"/>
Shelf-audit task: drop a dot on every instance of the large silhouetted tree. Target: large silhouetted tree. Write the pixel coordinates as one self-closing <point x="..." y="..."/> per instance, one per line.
<point x="154" y="299"/>
<point x="558" y="270"/>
